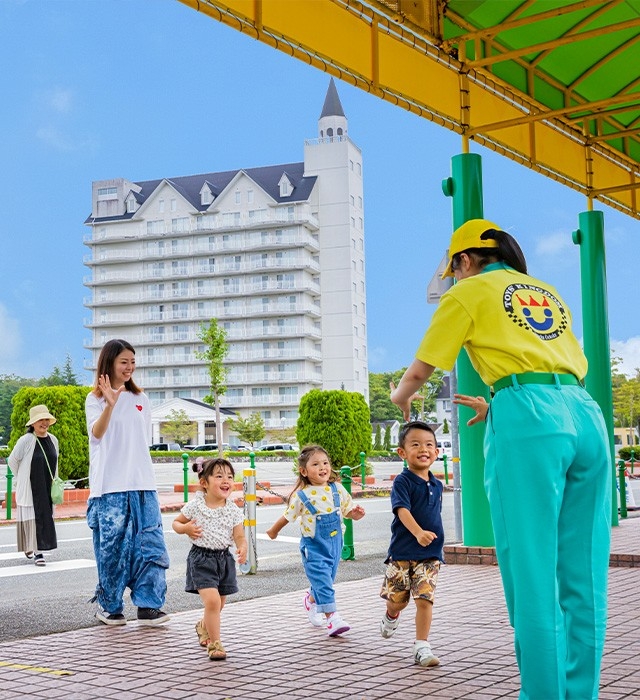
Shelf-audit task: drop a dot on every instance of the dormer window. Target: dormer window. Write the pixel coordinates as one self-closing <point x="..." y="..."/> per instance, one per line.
<point x="131" y="204"/>
<point x="206" y="195"/>
<point x="286" y="188"/>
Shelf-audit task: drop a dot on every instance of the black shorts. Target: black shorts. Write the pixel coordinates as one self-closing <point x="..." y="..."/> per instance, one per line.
<point x="211" y="568"/>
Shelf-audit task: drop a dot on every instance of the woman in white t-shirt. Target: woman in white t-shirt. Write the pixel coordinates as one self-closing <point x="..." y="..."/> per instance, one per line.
<point x="123" y="509"/>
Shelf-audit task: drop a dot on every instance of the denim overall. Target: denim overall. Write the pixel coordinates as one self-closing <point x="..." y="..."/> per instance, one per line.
<point x="321" y="553"/>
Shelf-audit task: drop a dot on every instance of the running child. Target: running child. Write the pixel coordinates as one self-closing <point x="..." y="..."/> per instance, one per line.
<point x="417" y="538"/>
<point x="318" y="503"/>
<point x="213" y="523"/>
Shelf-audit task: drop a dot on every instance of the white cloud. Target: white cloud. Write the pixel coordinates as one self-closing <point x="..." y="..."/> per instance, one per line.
<point x="60" y="100"/>
<point x="11" y="337"/>
<point x="554" y="244"/>
<point x="629" y="352"/>
<point x="61" y="142"/>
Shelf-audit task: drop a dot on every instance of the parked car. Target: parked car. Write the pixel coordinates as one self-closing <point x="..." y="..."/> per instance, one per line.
<point x="165" y="447"/>
<point x="278" y="446"/>
<point x="445" y="449"/>
<point x="210" y="447"/>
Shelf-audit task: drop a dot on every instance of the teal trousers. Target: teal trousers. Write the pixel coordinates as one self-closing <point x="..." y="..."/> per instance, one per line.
<point x="547" y="477"/>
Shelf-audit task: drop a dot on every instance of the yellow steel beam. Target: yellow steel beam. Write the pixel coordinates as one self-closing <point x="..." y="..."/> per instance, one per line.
<point x="397" y="59"/>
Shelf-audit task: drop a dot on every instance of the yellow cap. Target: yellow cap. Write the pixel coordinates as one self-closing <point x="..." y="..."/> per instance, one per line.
<point x="468" y="236"/>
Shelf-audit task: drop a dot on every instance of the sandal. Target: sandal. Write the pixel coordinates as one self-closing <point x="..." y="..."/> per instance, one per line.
<point x="39" y="560"/>
<point x="216" y="651"/>
<point x="29" y="555"/>
<point x="203" y="635"/>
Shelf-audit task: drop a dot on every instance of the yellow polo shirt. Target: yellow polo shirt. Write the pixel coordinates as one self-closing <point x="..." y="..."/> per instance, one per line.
<point x="508" y="322"/>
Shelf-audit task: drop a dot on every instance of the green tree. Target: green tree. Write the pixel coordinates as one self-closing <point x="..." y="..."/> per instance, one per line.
<point x="9" y="386"/>
<point x="379" y="390"/>
<point x="214" y="338"/>
<point x="249" y="429"/>
<point x="626" y="402"/>
<point x="377" y="443"/>
<point x="66" y="403"/>
<point x="61" y="377"/>
<point x="179" y="427"/>
<point x="339" y="421"/>
<point x="386" y="445"/>
<point x="445" y="426"/>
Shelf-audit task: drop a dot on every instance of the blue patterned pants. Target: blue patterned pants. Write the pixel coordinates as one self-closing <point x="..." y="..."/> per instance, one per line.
<point x="129" y="547"/>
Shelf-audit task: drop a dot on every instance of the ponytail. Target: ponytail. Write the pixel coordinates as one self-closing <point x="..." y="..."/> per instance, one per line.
<point x="508" y="250"/>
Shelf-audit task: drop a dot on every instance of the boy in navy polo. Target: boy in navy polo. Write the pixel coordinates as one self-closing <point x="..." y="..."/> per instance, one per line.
<point x="417" y="539"/>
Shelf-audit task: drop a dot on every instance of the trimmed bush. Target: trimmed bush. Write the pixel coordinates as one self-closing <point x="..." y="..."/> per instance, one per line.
<point x="66" y="403"/>
<point x="337" y="420"/>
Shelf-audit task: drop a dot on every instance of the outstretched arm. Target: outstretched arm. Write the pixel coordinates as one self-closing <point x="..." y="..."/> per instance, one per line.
<point x="356" y="513"/>
<point x="416" y="375"/>
<point x="276" y="527"/>
<point x="476" y="403"/>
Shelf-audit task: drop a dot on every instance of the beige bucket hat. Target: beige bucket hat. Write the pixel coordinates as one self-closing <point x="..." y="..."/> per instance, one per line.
<point x="39" y="412"/>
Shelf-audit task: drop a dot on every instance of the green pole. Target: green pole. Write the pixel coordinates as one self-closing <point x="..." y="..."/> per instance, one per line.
<point x="446" y="471"/>
<point x="595" y="325"/>
<point x="9" y="495"/>
<point x="465" y="188"/>
<point x="363" y="469"/>
<point x="633" y="455"/>
<point x="185" y="476"/>
<point x="348" y="550"/>
<point x="623" y="490"/>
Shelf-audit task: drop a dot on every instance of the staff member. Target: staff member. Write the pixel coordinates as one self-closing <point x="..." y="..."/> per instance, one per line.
<point x="547" y="461"/>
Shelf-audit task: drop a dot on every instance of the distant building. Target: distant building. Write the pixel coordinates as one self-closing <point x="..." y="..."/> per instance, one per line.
<point x="443" y="402"/>
<point x="394" y="430"/>
<point x="275" y="254"/>
<point x="198" y="412"/>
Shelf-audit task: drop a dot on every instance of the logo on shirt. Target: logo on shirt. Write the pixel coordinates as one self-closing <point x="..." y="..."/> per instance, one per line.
<point x="535" y="309"/>
<point x="139" y="407"/>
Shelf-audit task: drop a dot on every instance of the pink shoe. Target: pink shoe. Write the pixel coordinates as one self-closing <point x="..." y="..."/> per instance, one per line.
<point x="336" y="625"/>
<point x="315" y="618"/>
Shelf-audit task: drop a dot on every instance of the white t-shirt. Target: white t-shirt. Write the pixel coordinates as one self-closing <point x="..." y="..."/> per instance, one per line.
<point x="217" y="523"/>
<point x="120" y="460"/>
<point x="321" y="498"/>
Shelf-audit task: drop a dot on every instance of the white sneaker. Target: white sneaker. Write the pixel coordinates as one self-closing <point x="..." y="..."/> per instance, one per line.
<point x="315" y="618"/>
<point x="389" y="625"/>
<point x="336" y="625"/>
<point x="423" y="655"/>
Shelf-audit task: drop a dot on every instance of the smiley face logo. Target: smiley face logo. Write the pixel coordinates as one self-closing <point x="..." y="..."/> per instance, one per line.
<point x="535" y="309"/>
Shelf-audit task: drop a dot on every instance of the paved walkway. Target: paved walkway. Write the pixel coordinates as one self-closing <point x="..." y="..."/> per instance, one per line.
<point x="273" y="650"/>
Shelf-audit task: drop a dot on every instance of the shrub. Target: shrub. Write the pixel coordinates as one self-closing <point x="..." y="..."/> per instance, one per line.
<point x="66" y="403"/>
<point x="339" y="421"/>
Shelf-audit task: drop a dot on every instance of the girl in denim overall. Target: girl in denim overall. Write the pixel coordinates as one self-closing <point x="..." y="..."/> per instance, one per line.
<point x="317" y="502"/>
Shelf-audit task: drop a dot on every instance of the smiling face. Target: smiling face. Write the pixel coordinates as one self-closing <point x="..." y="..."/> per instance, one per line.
<point x="40" y="427"/>
<point x="123" y="367"/>
<point x="317" y="470"/>
<point x="218" y="486"/>
<point x="420" y="450"/>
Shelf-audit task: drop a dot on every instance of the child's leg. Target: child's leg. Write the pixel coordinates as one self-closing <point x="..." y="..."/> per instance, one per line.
<point x="424" y="615"/>
<point x="213" y="604"/>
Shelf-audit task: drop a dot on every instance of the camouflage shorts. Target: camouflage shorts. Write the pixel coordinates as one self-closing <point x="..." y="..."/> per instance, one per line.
<point x="416" y="577"/>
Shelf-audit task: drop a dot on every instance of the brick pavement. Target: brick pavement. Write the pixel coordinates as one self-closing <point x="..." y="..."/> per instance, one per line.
<point x="273" y="651"/>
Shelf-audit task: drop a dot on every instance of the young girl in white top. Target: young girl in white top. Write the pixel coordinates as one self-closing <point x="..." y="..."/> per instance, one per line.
<point x="213" y="523"/>
<point x="317" y="502"/>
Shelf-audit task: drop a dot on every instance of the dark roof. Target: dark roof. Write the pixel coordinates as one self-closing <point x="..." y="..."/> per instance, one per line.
<point x="332" y="106"/>
<point x="266" y="178"/>
<point x="226" y="411"/>
<point x="445" y="389"/>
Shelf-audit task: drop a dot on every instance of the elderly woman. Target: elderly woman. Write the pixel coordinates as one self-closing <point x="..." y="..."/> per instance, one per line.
<point x="34" y="463"/>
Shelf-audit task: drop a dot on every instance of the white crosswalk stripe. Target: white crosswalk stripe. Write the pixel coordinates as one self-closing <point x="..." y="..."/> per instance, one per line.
<point x="29" y="568"/>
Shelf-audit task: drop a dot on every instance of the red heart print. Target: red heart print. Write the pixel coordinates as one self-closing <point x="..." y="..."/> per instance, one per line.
<point x="139" y="407"/>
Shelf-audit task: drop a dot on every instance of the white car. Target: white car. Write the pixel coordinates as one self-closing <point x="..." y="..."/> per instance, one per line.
<point x="444" y="447"/>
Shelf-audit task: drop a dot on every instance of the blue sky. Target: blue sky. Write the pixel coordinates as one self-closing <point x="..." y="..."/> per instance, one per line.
<point x="142" y="89"/>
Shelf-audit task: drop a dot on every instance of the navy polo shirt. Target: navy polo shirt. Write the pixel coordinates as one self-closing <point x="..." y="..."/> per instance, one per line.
<point x="423" y="499"/>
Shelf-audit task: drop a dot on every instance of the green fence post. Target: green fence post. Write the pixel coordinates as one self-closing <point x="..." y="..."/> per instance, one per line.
<point x="363" y="469"/>
<point x="348" y="551"/>
<point x="623" y="489"/>
<point x="446" y="471"/>
<point x="9" y="495"/>
<point x="185" y="476"/>
<point x="633" y="454"/>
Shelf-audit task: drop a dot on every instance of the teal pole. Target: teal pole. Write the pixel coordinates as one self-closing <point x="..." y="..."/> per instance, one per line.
<point x="348" y="550"/>
<point x="9" y="495"/>
<point x="185" y="476"/>
<point x="465" y="188"/>
<point x="595" y="325"/>
<point x="446" y="471"/>
<point x="363" y="469"/>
